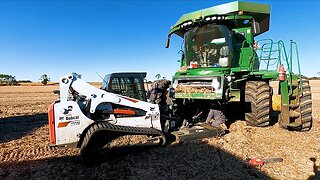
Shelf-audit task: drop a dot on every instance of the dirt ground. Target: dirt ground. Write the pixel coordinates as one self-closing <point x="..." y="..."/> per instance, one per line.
<point x="24" y="151"/>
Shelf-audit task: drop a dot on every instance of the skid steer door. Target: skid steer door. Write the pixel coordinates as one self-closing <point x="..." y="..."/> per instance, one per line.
<point x="126" y="84"/>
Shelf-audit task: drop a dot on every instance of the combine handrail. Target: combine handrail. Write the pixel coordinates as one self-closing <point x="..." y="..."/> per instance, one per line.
<point x="295" y="45"/>
<point x="283" y="55"/>
<point x="284" y="51"/>
<point x="269" y="53"/>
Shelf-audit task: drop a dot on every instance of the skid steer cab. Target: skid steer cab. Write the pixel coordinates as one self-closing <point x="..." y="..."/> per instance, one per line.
<point x="130" y="84"/>
<point x="89" y="118"/>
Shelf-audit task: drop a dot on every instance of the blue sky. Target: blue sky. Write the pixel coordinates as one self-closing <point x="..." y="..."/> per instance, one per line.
<point x="60" y="37"/>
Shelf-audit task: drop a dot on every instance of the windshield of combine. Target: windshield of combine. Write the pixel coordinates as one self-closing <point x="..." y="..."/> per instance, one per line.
<point x="206" y="46"/>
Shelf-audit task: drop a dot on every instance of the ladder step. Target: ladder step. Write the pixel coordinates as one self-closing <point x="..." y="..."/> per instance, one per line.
<point x="294" y="114"/>
<point x="267" y="59"/>
<point x="293" y="106"/>
<point x="293" y="97"/>
<point x="270" y="51"/>
<point x="294" y="125"/>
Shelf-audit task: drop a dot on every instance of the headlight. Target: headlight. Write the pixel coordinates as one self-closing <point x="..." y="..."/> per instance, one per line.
<point x="215" y="84"/>
<point x="229" y="78"/>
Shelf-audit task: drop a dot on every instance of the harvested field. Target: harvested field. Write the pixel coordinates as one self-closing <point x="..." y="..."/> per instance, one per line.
<point x="24" y="151"/>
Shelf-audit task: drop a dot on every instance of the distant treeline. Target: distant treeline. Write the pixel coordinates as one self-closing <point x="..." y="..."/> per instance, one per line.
<point x="24" y="81"/>
<point x="8" y="80"/>
<point x="311" y="78"/>
<point x="314" y="78"/>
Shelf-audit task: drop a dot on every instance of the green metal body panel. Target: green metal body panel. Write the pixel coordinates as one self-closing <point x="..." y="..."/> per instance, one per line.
<point x="265" y="74"/>
<point x="245" y="55"/>
<point x="246" y="31"/>
<point x="284" y="92"/>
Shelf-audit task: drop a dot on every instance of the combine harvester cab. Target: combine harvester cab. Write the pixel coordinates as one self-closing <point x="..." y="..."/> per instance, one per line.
<point x="222" y="64"/>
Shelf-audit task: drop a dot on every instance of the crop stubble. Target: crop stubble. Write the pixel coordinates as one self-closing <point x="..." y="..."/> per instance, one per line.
<point x="24" y="151"/>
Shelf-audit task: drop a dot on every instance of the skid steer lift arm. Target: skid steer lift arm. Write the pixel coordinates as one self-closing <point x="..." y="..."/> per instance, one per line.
<point x="78" y="87"/>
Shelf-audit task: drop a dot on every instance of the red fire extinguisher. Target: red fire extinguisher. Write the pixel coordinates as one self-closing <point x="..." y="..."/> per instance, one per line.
<point x="281" y="73"/>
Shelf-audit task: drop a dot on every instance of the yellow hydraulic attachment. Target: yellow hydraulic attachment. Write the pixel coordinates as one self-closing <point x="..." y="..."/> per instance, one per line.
<point x="276" y="102"/>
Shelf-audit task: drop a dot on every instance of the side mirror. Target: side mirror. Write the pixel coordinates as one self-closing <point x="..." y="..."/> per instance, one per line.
<point x="182" y="55"/>
<point x="168" y="42"/>
<point x="256" y="28"/>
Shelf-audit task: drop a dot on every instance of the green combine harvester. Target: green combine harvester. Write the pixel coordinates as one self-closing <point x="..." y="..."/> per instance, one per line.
<point x="222" y="63"/>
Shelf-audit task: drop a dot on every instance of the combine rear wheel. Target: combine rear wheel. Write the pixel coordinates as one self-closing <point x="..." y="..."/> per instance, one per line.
<point x="306" y="106"/>
<point x="258" y="101"/>
<point x="300" y="108"/>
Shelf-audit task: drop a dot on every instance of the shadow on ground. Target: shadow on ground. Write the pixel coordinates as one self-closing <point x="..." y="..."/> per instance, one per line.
<point x="16" y="127"/>
<point x="315" y="170"/>
<point x="196" y="160"/>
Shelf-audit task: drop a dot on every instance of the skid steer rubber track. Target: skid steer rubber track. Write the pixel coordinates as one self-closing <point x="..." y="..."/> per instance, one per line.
<point x="101" y="134"/>
<point x="124" y="130"/>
